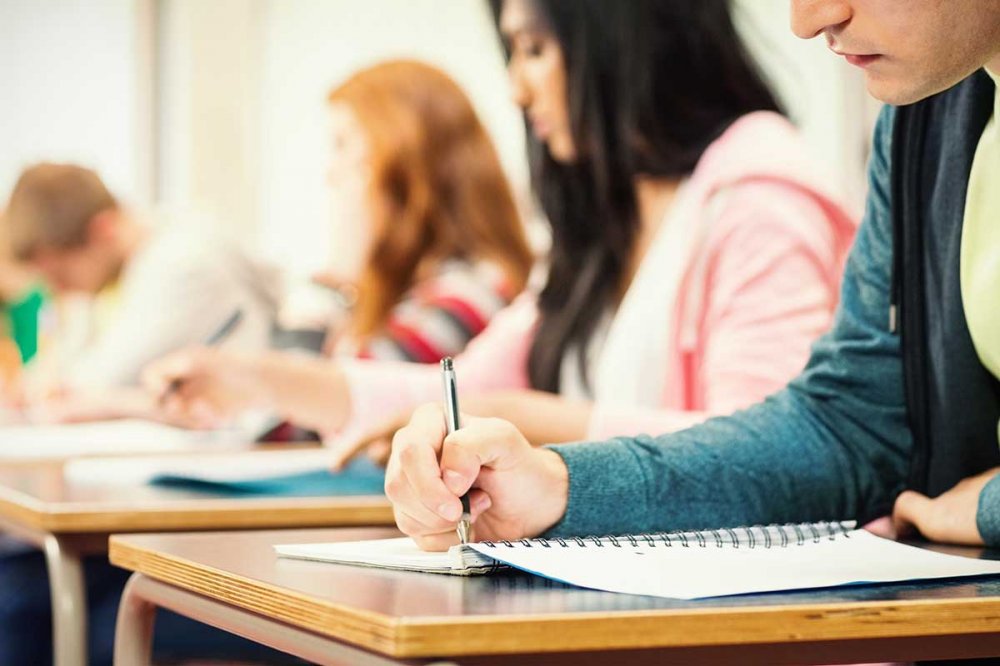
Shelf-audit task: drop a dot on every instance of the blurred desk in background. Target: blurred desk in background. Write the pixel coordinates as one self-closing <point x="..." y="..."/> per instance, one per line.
<point x="69" y="513"/>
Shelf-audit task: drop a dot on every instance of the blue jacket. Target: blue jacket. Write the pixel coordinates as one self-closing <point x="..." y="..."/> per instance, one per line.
<point x="835" y="444"/>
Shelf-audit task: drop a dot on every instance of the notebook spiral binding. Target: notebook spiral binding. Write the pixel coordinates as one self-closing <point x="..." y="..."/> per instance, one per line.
<point x="756" y="536"/>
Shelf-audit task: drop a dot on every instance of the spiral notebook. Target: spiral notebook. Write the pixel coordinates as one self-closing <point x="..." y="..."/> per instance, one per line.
<point x="679" y="565"/>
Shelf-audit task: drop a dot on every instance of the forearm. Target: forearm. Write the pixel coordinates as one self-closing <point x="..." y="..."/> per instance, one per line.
<point x="310" y="391"/>
<point x="607" y="421"/>
<point x="776" y="462"/>
<point x="543" y="418"/>
<point x="99" y="405"/>
<point x="495" y="360"/>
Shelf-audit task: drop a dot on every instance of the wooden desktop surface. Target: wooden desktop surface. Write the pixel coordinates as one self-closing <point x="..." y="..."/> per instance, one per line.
<point x="406" y="614"/>
<point x="40" y="496"/>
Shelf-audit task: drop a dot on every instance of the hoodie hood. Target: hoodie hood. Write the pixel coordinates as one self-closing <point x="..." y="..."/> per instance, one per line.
<point x="765" y="147"/>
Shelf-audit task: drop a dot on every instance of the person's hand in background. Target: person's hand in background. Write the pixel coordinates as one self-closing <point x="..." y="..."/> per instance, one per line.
<point x="206" y="387"/>
<point x="210" y="387"/>
<point x="376" y="442"/>
<point x="69" y="406"/>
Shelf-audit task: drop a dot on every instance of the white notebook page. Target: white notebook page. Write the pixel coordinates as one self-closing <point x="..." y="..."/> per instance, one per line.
<point x="400" y="553"/>
<point x="700" y="571"/>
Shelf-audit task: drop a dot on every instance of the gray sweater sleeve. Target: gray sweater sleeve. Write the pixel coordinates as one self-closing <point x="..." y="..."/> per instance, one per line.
<point x="988" y="513"/>
<point x="833" y="445"/>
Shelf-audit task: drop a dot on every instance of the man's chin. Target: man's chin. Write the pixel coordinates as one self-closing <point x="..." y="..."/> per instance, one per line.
<point x="895" y="92"/>
<point x="903" y="90"/>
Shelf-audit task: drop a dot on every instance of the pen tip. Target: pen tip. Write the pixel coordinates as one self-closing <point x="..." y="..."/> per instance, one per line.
<point x="463" y="530"/>
<point x="446" y="363"/>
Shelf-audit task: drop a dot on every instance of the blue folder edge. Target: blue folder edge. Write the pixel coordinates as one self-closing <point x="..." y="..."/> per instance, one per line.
<point x="360" y="477"/>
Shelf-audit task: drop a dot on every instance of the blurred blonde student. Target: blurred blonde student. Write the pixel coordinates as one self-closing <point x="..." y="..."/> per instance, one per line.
<point x="161" y="288"/>
<point x="695" y="250"/>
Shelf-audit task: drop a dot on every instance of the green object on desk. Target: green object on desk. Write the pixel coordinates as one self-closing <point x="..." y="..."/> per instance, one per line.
<point x="361" y="477"/>
<point x="21" y="320"/>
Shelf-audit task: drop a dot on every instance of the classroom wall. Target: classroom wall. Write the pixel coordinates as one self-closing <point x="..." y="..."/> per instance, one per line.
<point x="220" y="105"/>
<point x="303" y="47"/>
<point x="72" y="89"/>
<point x="266" y="110"/>
<point x="312" y="45"/>
<point x="210" y="102"/>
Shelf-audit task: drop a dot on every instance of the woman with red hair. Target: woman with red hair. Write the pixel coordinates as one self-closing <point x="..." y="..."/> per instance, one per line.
<point x="435" y="246"/>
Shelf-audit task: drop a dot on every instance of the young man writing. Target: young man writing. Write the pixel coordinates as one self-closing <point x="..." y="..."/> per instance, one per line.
<point x="171" y="286"/>
<point x="899" y="402"/>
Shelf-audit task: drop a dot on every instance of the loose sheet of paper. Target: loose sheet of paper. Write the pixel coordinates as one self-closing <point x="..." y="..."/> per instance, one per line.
<point x="696" y="572"/>
<point x="220" y="467"/>
<point x="104" y="437"/>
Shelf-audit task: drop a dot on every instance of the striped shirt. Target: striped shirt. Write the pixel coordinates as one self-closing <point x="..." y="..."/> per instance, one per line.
<point x="439" y="316"/>
<point x="436" y="318"/>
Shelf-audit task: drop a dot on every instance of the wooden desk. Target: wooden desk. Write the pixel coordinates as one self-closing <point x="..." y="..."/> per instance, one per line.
<point x="40" y="504"/>
<point x="334" y="614"/>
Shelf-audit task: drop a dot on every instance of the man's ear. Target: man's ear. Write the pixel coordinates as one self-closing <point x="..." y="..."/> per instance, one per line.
<point x="103" y="227"/>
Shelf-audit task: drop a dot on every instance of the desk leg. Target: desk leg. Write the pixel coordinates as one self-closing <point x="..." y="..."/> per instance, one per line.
<point x="69" y="603"/>
<point x="134" y="628"/>
<point x="133" y="636"/>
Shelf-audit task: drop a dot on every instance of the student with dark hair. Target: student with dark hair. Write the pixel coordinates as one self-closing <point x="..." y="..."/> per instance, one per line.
<point x="695" y="249"/>
<point x="899" y="406"/>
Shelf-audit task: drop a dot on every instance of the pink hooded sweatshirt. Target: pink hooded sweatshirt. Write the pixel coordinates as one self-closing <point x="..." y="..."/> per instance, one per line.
<point x="756" y="284"/>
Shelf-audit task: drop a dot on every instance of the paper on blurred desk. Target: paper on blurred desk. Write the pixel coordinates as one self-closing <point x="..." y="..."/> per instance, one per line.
<point x="291" y="473"/>
<point x="235" y="466"/>
<point x="39" y="441"/>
